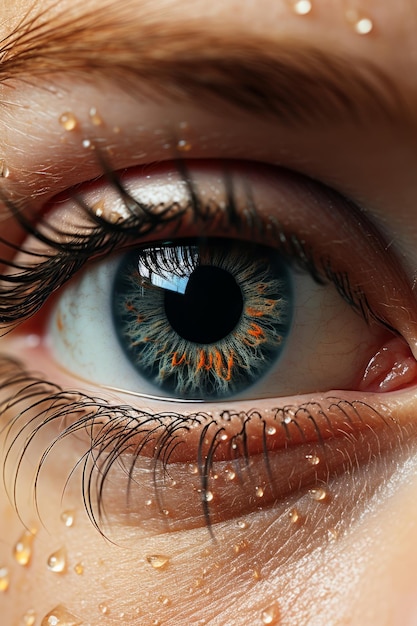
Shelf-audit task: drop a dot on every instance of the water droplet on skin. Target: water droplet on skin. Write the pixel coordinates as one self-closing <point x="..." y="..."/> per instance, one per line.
<point x="362" y="24"/>
<point x="295" y="517"/>
<point x="79" y="569"/>
<point x="193" y="469"/>
<point x="29" y="618"/>
<point x="301" y="7"/>
<point x="68" y="518"/>
<point x="230" y="474"/>
<point x="165" y="512"/>
<point x="287" y="419"/>
<point x="259" y="492"/>
<point x="271" y="615"/>
<point x="208" y="496"/>
<point x="271" y="430"/>
<point x="96" y="119"/>
<point x="68" y="121"/>
<point x="104" y="609"/>
<point x="313" y="459"/>
<point x="164" y="600"/>
<point x="148" y="502"/>
<point x="22" y="551"/>
<point x="60" y="616"/>
<point x="256" y="574"/>
<point x="224" y="437"/>
<point x="183" y="145"/>
<point x="241" y="524"/>
<point x="318" y="493"/>
<point x="86" y="143"/>
<point x="4" y="579"/>
<point x="4" y="170"/>
<point x="158" y="561"/>
<point x="57" y="562"/>
<point x="240" y="547"/>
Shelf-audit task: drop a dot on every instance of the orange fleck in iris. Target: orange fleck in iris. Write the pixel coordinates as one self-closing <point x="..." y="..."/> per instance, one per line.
<point x="256" y="331"/>
<point x="222" y="370"/>
<point x="178" y="361"/>
<point x="205" y="361"/>
<point x="254" y="312"/>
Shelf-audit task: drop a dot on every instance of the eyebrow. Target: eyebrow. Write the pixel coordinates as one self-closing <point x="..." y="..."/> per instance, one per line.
<point x="297" y="83"/>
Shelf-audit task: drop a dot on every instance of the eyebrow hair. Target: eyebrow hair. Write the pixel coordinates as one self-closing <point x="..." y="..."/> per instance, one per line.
<point x="299" y="84"/>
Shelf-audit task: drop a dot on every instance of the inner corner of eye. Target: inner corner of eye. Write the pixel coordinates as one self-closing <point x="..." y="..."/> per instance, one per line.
<point x="392" y="367"/>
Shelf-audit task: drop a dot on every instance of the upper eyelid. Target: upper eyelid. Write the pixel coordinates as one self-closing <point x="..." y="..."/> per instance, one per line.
<point x="337" y="215"/>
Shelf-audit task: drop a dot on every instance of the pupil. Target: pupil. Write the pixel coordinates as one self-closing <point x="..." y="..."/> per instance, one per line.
<point x="209" y="309"/>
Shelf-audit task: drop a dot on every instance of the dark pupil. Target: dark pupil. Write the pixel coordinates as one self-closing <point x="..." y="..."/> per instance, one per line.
<point x="210" y="308"/>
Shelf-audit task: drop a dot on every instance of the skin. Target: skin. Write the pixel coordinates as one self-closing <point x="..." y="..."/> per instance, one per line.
<point x="343" y="560"/>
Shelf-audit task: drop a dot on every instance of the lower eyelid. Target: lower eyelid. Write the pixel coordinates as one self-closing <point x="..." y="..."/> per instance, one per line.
<point x="226" y="465"/>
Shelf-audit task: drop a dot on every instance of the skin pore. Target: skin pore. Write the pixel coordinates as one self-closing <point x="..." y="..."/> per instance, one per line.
<point x="317" y="523"/>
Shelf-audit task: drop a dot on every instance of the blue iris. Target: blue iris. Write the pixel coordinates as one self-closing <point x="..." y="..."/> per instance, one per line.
<point x="202" y="320"/>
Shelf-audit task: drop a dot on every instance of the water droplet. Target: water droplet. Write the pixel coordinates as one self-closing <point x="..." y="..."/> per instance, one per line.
<point x="224" y="437"/>
<point x="301" y="7"/>
<point x="148" y="502"/>
<point x="271" y="430"/>
<point x="256" y="574"/>
<point x="165" y="512"/>
<point x="96" y="119"/>
<point x="68" y="518"/>
<point x="313" y="459"/>
<point x="287" y="419"/>
<point x="193" y="469"/>
<point x="208" y="496"/>
<point x="362" y="24"/>
<point x="225" y="415"/>
<point x="271" y="615"/>
<point x="22" y="551"/>
<point x="230" y="473"/>
<point x="240" y="547"/>
<point x="241" y="524"/>
<point x="57" y="562"/>
<point x="79" y="569"/>
<point x="183" y="145"/>
<point x="259" y="492"/>
<point x="294" y="516"/>
<point x="4" y="170"/>
<point x="104" y="609"/>
<point x="4" y="579"/>
<point x="29" y="618"/>
<point x="158" y="561"/>
<point x="59" y="616"/>
<point x="86" y="143"/>
<point x="318" y="493"/>
<point x="234" y="445"/>
<point x="68" y="121"/>
<point x="164" y="600"/>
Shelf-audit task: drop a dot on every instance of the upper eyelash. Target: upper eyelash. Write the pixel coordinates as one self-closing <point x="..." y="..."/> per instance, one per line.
<point x="23" y="293"/>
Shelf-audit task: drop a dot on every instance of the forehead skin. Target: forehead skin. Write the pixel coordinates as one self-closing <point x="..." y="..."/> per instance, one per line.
<point x="342" y="587"/>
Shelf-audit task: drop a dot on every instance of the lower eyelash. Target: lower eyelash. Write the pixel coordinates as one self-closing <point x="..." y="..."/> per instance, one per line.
<point x="140" y="442"/>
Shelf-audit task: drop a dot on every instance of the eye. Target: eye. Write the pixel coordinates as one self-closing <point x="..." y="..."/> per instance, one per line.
<point x="292" y="272"/>
<point x="215" y="318"/>
<point x="207" y="320"/>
